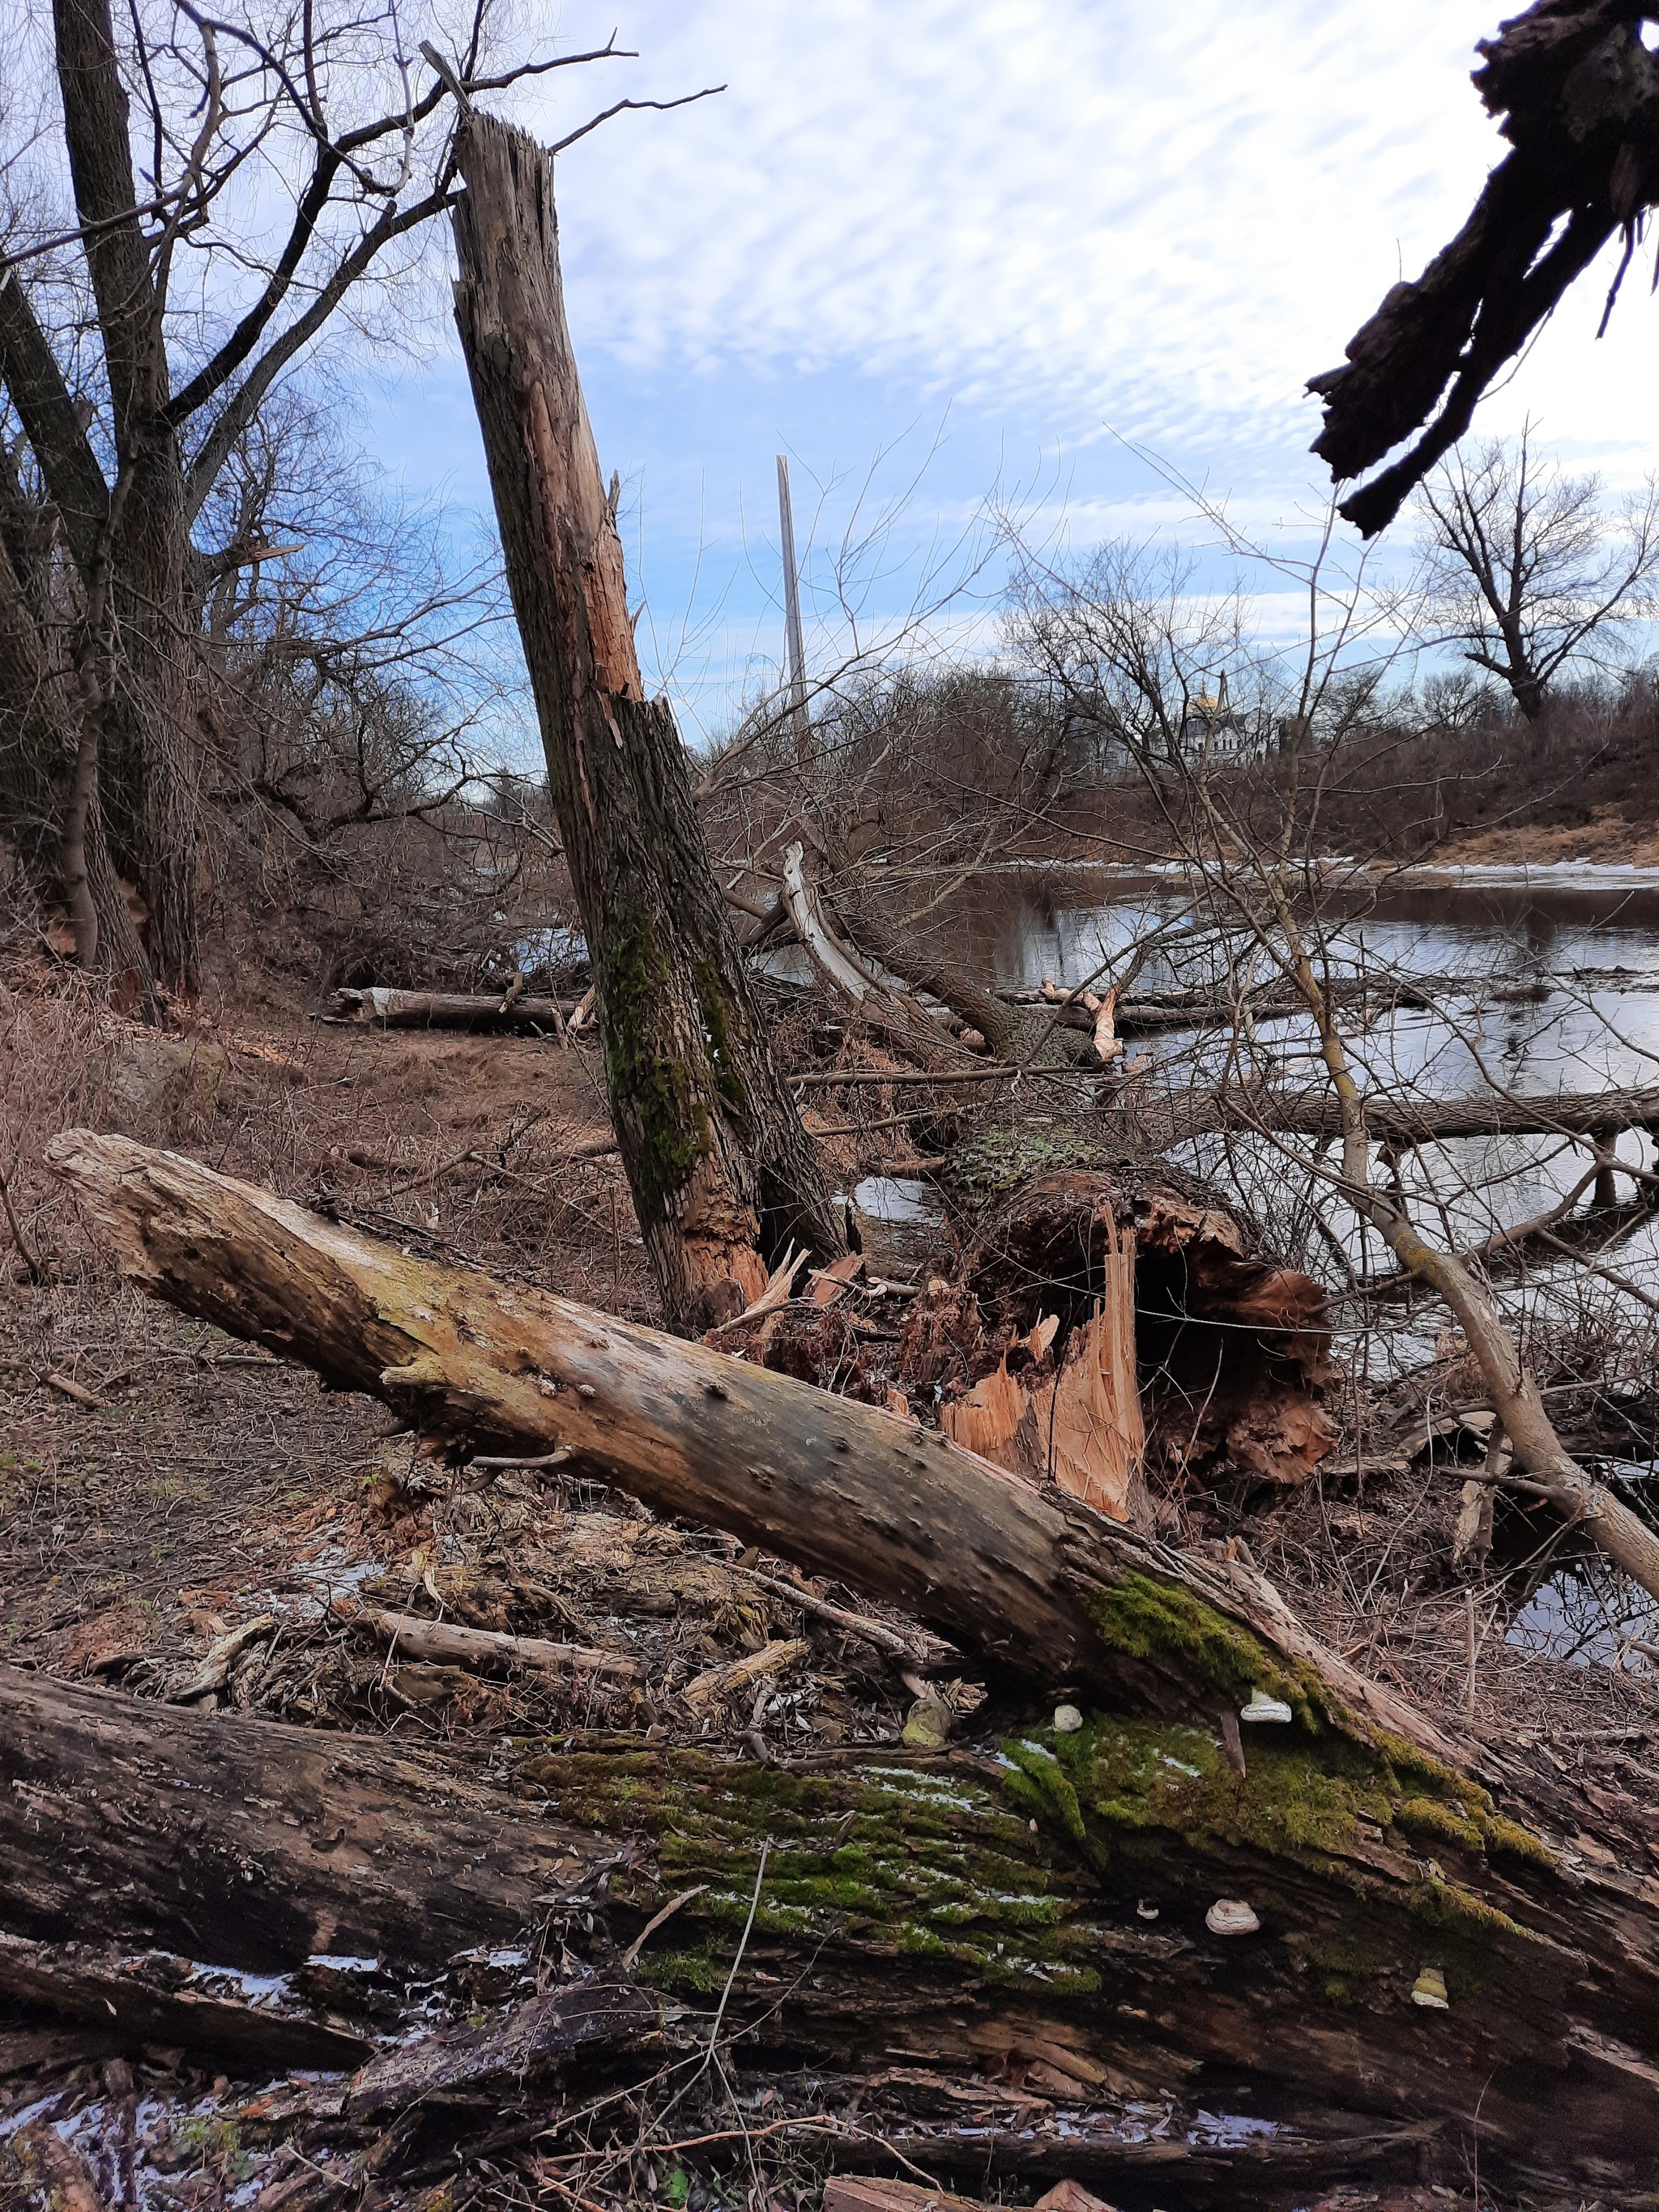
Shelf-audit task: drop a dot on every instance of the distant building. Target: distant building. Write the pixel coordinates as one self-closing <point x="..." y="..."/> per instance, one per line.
<point x="1211" y="729"/>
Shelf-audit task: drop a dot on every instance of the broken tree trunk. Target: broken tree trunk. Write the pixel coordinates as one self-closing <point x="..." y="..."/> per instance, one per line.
<point x="896" y="1016"/>
<point x="722" y="1174"/>
<point x="1030" y="1913"/>
<point x="919" y="964"/>
<point x="1026" y="1576"/>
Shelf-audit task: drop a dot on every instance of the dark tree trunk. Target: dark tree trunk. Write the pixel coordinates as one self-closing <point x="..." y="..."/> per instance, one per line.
<point x="103" y="785"/>
<point x="146" y="783"/>
<point x="722" y="1174"/>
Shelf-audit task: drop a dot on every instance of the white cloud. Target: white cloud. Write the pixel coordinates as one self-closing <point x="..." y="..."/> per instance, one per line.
<point x="1078" y="209"/>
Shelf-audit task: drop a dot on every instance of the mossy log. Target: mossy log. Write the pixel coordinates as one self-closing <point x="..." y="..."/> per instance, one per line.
<point x="1025" y="1916"/>
<point x="1031" y="1909"/>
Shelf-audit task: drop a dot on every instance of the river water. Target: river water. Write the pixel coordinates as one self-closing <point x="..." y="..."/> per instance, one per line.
<point x="1558" y="990"/>
<point x="1553" y="987"/>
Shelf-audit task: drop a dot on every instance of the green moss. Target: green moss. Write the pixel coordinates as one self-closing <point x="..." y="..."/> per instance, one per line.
<point x="637" y="1068"/>
<point x="1510" y="1837"/>
<point x="1037" y="1783"/>
<point x="1404" y="1756"/>
<point x="1293" y="1797"/>
<point x="1148" y="1618"/>
<point x="713" y="998"/>
<point x="992" y="1162"/>
<point x="1449" y="1823"/>
<point x="1444" y="1904"/>
<point x="896" y="1856"/>
<point x="937" y="1860"/>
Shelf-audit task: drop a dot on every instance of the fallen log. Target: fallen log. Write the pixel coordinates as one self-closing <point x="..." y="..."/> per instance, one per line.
<point x="381" y="1008"/>
<point x="1027" y="1576"/>
<point x="1412" y="1121"/>
<point x="982" y="1903"/>
<point x="1030" y="1910"/>
<point x="150" y="1999"/>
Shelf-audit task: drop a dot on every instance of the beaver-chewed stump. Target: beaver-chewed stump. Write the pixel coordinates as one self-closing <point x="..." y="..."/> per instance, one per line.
<point x="1339" y="1923"/>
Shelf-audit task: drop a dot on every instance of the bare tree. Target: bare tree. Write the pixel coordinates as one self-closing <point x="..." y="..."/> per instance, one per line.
<point x="1254" y="850"/>
<point x="139" y="340"/>
<point x="1526" y="569"/>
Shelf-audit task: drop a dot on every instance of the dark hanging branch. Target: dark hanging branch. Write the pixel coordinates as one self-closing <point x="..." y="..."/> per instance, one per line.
<point x="1579" y="91"/>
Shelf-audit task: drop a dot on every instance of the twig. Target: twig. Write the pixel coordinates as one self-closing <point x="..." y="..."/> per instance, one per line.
<point x="66" y="1388"/>
<point x="856" y="1624"/>
<point x="656" y="1922"/>
<point x="555" y="1458"/>
<point x="32" y="1264"/>
<point x="748" y="1926"/>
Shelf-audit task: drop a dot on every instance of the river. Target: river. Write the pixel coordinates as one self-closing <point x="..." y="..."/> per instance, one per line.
<point x="1560" y="993"/>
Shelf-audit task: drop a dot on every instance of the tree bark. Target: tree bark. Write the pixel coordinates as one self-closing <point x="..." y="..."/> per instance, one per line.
<point x="1030" y="1578"/>
<point x="722" y="1174"/>
<point x="1028" y="1912"/>
<point x="148" y="783"/>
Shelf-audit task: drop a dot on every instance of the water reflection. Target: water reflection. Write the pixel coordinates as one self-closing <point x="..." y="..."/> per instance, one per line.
<point x="1560" y="993"/>
<point x="1585" y="1613"/>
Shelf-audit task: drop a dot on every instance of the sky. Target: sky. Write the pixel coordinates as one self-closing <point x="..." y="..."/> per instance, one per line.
<point x="1047" y="253"/>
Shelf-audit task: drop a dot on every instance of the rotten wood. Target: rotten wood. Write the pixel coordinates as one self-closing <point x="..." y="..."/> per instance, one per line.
<point x="449" y="1643"/>
<point x="467" y="2065"/>
<point x="150" y="1999"/>
<point x="722" y="1174"/>
<point x="984" y="1912"/>
<point x="735" y="1675"/>
<point x="52" y="2171"/>
<point x="839" y="1487"/>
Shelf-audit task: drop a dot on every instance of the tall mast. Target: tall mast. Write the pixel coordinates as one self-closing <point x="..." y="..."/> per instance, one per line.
<point x="795" y="650"/>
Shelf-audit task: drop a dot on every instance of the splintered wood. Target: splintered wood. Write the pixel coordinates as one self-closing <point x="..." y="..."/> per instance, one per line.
<point x="1082" y="1427"/>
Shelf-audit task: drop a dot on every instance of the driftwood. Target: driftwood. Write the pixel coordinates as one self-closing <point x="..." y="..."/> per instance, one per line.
<point x="472" y="2065"/>
<point x="840" y="1487"/>
<point x="157" y="1999"/>
<point x="386" y="1009"/>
